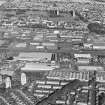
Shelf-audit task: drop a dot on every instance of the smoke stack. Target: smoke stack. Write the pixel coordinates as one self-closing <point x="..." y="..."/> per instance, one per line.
<point x="74" y="14"/>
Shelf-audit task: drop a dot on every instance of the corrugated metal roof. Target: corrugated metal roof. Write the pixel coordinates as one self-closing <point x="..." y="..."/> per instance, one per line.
<point x="36" y="67"/>
<point x="34" y="56"/>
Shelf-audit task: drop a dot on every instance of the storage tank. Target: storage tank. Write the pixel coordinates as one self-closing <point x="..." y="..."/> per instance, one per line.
<point x="23" y="79"/>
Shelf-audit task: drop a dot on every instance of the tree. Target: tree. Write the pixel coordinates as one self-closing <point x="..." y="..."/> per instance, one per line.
<point x="80" y="16"/>
<point x="101" y="98"/>
<point x="97" y="28"/>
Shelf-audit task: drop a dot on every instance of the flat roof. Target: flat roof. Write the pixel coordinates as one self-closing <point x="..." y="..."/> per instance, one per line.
<point x="33" y="56"/>
<point x="82" y="55"/>
<point x="33" y="67"/>
<point x="6" y="72"/>
<point x="98" y="43"/>
<point x="91" y="68"/>
<point x="2" y="42"/>
<point x="2" y="2"/>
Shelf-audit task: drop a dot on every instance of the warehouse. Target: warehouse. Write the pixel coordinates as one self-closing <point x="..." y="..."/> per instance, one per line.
<point x="34" y="56"/>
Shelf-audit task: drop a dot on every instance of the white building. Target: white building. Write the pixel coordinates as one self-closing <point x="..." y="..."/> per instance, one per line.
<point x="23" y="79"/>
<point x="90" y="68"/>
<point x="33" y="56"/>
<point x="8" y="83"/>
<point x="36" y="67"/>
